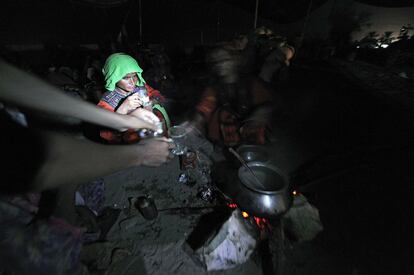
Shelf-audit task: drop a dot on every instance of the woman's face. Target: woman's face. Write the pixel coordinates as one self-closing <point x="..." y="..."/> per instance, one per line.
<point x="128" y="82"/>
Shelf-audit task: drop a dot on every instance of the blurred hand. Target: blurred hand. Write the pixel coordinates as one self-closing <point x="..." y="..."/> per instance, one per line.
<point x="135" y="123"/>
<point x="139" y="119"/>
<point x="156" y="151"/>
<point x="145" y="115"/>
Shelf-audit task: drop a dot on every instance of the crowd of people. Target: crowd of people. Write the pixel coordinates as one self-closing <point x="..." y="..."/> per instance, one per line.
<point x="41" y="231"/>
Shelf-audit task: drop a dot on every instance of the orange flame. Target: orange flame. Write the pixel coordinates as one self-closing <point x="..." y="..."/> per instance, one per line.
<point x="261" y="222"/>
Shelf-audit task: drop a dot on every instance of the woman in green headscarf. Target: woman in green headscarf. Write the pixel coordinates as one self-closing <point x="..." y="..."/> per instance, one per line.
<point x="124" y="84"/>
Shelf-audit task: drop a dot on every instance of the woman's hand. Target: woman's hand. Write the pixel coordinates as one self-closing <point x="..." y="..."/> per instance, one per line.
<point x="131" y="103"/>
<point x="155" y="151"/>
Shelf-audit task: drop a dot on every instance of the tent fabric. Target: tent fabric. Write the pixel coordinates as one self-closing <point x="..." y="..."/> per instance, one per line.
<point x="101" y="3"/>
<point x="250" y="3"/>
<point x="73" y="22"/>
<point x="388" y="3"/>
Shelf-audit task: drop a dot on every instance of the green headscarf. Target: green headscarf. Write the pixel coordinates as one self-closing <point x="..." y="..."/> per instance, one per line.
<point x="118" y="65"/>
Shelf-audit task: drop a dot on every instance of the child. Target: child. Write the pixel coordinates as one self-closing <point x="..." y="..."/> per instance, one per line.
<point x="127" y="93"/>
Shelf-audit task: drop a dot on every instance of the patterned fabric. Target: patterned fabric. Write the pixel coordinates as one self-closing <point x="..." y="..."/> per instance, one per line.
<point x="111" y="100"/>
<point x="229" y="127"/>
<point x="93" y="195"/>
<point x="253" y="134"/>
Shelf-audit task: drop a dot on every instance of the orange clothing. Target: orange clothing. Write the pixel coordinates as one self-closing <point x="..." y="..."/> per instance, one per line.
<point x="225" y="125"/>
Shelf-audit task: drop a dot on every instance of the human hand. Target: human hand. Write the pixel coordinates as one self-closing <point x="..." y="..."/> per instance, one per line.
<point x="155" y="151"/>
<point x="130" y="103"/>
<point x="138" y="119"/>
<point x="145" y="115"/>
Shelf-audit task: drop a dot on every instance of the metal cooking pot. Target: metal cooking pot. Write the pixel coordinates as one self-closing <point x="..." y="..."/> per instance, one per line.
<point x="267" y="196"/>
<point x="252" y="153"/>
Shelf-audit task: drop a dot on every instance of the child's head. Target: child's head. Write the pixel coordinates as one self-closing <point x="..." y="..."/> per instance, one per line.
<point x="122" y="69"/>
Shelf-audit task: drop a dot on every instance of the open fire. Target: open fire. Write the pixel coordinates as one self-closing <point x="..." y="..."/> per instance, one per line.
<point x="223" y="239"/>
<point x="260" y="222"/>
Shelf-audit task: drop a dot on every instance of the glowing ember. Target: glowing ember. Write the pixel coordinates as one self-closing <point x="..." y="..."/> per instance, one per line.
<point x="261" y="222"/>
<point x="232" y="205"/>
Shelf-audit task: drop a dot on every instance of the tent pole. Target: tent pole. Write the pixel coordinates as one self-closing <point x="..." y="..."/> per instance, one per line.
<point x="140" y="21"/>
<point x="218" y="21"/>
<point x="255" y="14"/>
<point x="305" y="24"/>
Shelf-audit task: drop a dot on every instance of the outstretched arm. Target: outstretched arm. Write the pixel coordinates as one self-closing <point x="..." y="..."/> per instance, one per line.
<point x="26" y="91"/>
<point x="68" y="160"/>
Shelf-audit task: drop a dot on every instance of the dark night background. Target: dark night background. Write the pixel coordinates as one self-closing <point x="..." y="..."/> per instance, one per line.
<point x="38" y="25"/>
<point x="90" y="21"/>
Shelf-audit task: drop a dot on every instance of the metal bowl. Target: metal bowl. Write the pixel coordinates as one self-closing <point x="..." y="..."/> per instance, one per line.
<point x="268" y="195"/>
<point x="252" y="153"/>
